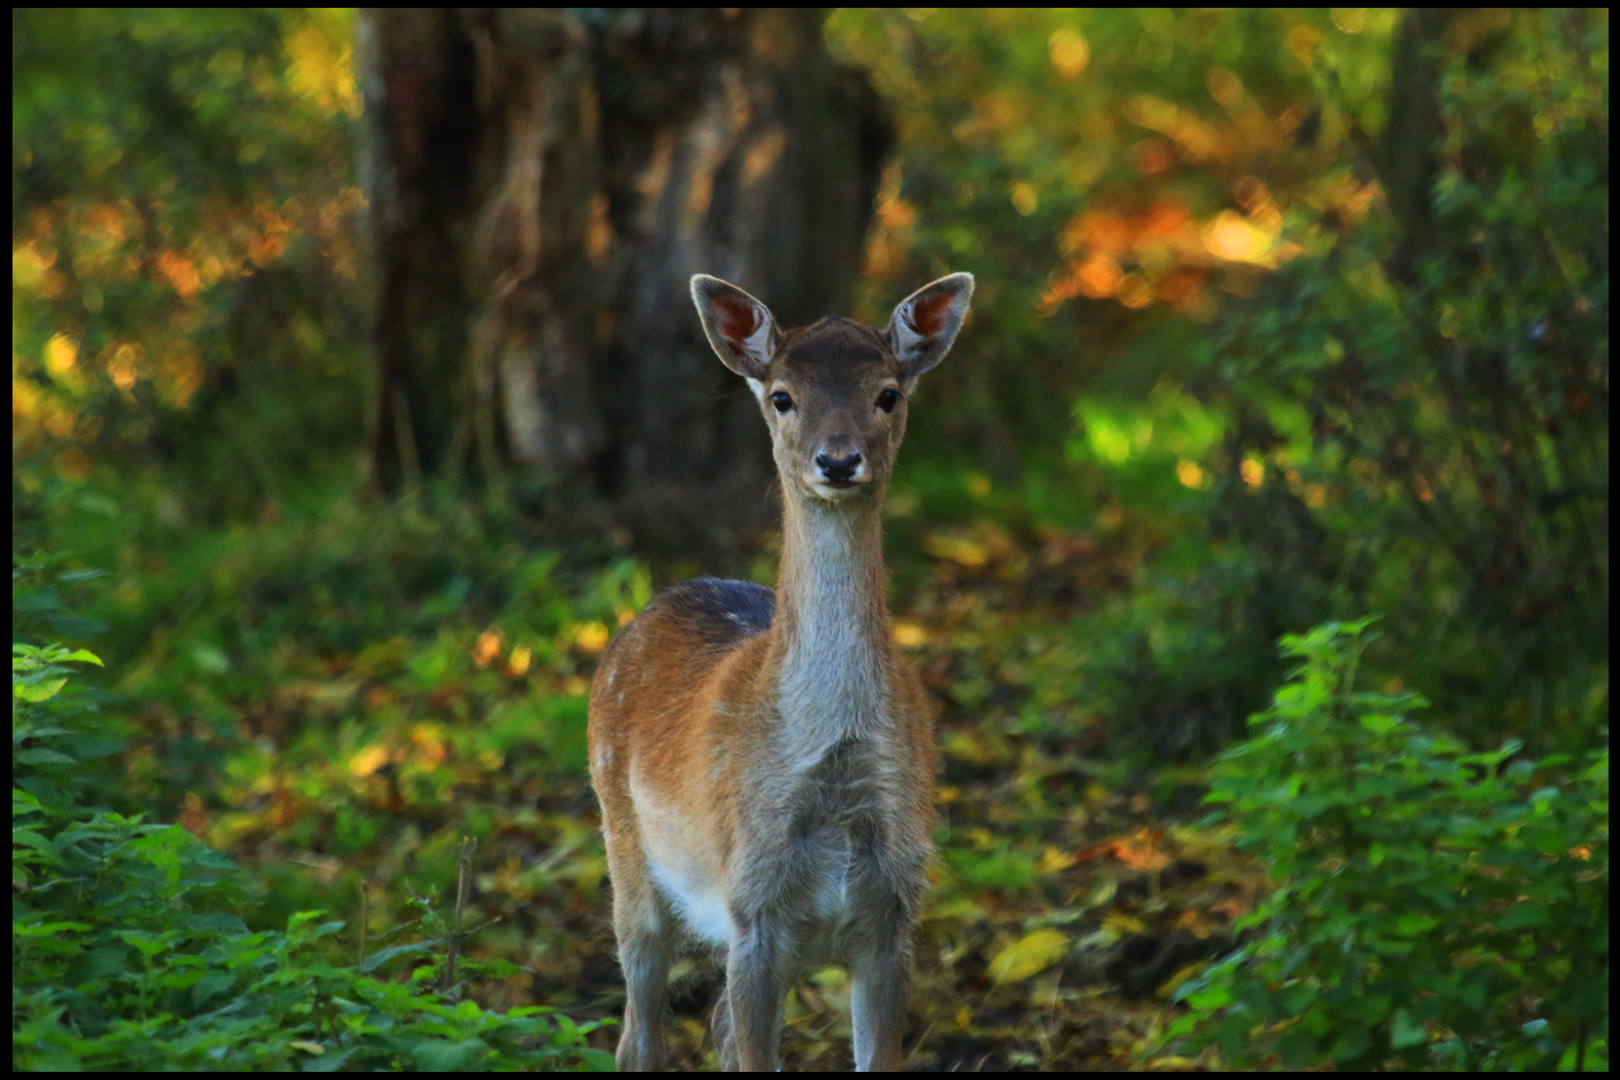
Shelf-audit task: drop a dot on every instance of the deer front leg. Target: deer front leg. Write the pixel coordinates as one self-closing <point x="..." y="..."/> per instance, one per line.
<point x="884" y="910"/>
<point x="880" y="983"/>
<point x="757" y="972"/>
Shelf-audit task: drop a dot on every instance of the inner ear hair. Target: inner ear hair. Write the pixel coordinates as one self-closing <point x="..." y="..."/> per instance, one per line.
<point x="741" y="330"/>
<point x="925" y="324"/>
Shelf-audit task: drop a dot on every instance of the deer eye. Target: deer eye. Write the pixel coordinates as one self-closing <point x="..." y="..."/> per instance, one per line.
<point x="889" y="399"/>
<point x="781" y="400"/>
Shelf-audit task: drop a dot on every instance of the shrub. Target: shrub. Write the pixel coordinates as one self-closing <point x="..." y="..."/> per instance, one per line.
<point x="1432" y="906"/>
<point x="126" y="954"/>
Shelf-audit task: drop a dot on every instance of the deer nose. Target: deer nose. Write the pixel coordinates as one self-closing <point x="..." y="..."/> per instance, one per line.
<point x="839" y="470"/>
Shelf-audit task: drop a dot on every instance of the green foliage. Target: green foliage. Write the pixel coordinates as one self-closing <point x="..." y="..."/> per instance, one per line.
<point x="126" y="954"/>
<point x="184" y="266"/>
<point x="1432" y="907"/>
<point x="1398" y="394"/>
<point x="1156" y="451"/>
<point x="1421" y="406"/>
<point x="1033" y="140"/>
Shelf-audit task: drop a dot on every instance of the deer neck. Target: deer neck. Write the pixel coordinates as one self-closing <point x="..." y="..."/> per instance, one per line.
<point x="832" y="625"/>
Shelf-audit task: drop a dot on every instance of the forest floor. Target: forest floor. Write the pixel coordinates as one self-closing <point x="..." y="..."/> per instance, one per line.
<point x="1072" y="894"/>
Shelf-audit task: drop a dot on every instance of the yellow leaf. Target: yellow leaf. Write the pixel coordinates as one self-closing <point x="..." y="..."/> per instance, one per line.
<point x="957" y="549"/>
<point x="909" y="635"/>
<point x="1029" y="955"/>
<point x="1122" y="924"/>
<point x="1172" y="1063"/>
<point x="1052" y="860"/>
<point x="368" y="760"/>
<point x="832" y="978"/>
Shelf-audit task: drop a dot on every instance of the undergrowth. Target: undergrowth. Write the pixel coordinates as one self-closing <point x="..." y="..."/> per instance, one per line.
<point x="128" y="951"/>
<point x="1432" y="907"/>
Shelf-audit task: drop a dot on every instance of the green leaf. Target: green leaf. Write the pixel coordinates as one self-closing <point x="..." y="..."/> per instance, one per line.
<point x="41" y="691"/>
<point x="34" y="930"/>
<point x="29" y="836"/>
<point x="442" y="1055"/>
<point x="210" y="986"/>
<point x="217" y="921"/>
<point x="42" y="756"/>
<point x="378" y="959"/>
<point x="1404" y="1032"/>
<point x="92" y="745"/>
<point x="594" y="1060"/>
<point x="1410" y="925"/>
<point x="150" y="943"/>
<point x="1380" y="724"/>
<point x="331" y="1061"/>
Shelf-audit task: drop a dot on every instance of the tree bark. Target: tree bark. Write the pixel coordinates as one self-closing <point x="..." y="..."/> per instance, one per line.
<point x="543" y="184"/>
<point x="1409" y="154"/>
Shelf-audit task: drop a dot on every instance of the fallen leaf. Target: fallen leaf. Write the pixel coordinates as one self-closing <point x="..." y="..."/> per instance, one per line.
<point x="1194" y="922"/>
<point x="1029" y="955"/>
<point x="1140" y="850"/>
<point x="1123" y="924"/>
<point x="1053" y="860"/>
<point x="956" y="549"/>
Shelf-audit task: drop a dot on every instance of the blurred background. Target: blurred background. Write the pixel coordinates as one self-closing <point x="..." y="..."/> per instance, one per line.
<point x="357" y="400"/>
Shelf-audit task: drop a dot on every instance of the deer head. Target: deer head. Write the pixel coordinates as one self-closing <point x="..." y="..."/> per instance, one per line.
<point x="833" y="394"/>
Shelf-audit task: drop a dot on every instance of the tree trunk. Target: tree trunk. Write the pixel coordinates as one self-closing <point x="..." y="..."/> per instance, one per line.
<point x="1409" y="154"/>
<point x="543" y="185"/>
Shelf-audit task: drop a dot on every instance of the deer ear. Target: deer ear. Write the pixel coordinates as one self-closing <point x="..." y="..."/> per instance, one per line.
<point x="924" y="325"/>
<point x="740" y="329"/>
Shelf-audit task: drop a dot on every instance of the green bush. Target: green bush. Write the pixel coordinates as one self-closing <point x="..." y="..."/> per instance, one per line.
<point x="1433" y="907"/>
<point x="126" y="953"/>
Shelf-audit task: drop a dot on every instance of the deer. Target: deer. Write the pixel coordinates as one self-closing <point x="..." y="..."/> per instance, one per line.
<point x="765" y="760"/>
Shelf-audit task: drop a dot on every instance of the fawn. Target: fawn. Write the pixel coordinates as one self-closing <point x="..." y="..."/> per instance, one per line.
<point x="765" y="761"/>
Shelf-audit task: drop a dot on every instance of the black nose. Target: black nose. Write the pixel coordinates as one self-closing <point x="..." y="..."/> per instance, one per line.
<point x="841" y="471"/>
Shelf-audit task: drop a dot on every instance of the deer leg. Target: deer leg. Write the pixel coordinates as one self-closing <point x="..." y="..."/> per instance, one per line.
<point x="879" y="985"/>
<point x="757" y="972"/>
<point x="645" y="930"/>
<point x="880" y="976"/>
